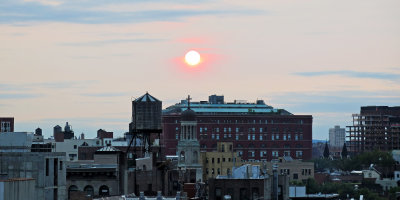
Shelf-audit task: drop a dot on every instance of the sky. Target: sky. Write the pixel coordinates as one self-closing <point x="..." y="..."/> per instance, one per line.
<point x="83" y="61"/>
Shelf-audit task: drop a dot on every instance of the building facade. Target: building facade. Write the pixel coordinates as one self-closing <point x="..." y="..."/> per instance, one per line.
<point x="6" y="124"/>
<point x="258" y="131"/>
<point x="47" y="169"/>
<point x="224" y="161"/>
<point x="337" y="136"/>
<point x="375" y="128"/>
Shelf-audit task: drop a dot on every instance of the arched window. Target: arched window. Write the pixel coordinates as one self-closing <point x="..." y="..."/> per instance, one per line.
<point x="104" y="190"/>
<point x="71" y="189"/>
<point x="89" y="190"/>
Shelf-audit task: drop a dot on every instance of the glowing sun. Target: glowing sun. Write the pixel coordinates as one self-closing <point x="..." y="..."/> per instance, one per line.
<point x="192" y="58"/>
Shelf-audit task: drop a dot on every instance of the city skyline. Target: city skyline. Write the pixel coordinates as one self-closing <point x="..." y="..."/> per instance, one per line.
<point x="82" y="62"/>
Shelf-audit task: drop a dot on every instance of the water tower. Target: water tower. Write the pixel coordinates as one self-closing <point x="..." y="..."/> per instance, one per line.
<point x="146" y="120"/>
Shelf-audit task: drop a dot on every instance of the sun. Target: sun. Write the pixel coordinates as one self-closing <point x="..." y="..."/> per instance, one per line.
<point x="192" y="58"/>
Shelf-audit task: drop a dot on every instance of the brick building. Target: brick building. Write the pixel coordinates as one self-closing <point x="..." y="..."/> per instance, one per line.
<point x="6" y="124"/>
<point x="257" y="131"/>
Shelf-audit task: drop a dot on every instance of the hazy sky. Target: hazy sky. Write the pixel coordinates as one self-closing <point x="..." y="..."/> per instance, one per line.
<point x="83" y="61"/>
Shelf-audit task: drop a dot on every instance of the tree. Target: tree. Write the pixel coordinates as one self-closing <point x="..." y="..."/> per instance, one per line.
<point x="344" y="151"/>
<point x="326" y="150"/>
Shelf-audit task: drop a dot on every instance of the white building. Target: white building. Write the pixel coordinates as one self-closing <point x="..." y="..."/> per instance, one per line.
<point x="70" y="146"/>
<point x="337" y="136"/>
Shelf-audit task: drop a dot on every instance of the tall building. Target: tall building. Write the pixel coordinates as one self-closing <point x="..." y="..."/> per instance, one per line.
<point x="375" y="128"/>
<point x="257" y="131"/>
<point x="337" y="136"/>
<point x="188" y="149"/>
<point x="6" y="124"/>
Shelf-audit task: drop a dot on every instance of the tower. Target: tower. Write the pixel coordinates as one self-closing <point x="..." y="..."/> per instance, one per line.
<point x="188" y="149"/>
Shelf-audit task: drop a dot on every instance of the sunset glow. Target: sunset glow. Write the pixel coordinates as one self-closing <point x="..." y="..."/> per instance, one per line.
<point x="192" y="58"/>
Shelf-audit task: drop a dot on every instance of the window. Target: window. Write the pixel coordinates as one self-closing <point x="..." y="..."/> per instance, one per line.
<point x="237" y="130"/>
<point x="223" y="159"/>
<point x="225" y="136"/>
<point x="212" y="160"/>
<point x="212" y="171"/>
<point x="230" y="135"/>
<point x="286" y="153"/>
<point x="229" y="129"/>
<point x="237" y="136"/>
<point x="217" y="136"/>
<point x="47" y="167"/>
<point x="248" y="136"/>
<point x="201" y="129"/>
<point x="5" y="127"/>
<point x="224" y="130"/>
<point x="61" y="165"/>
<point x="217" y="129"/>
<point x="75" y="146"/>
<point x="218" y="160"/>
<point x="272" y="137"/>
<point x="295" y="176"/>
<point x="251" y="153"/>
<point x="277" y="136"/>
<point x="212" y="136"/>
<point x="206" y="170"/>
<point x="284" y="136"/>
<point x="263" y="153"/>
<point x="288" y="137"/>
<point x="275" y="154"/>
<point x="301" y="136"/>
<point x="296" y="137"/>
<point x="239" y="153"/>
<point x="299" y="154"/>
<point x="254" y="136"/>
<point x="261" y="138"/>
<point x="218" y="171"/>
<point x="177" y="136"/>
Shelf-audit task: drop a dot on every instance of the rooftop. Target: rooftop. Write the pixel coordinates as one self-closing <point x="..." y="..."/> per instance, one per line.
<point x="236" y="107"/>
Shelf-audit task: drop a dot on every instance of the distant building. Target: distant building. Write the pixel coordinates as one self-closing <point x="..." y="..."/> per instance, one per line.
<point x="71" y="146"/>
<point x="47" y="168"/>
<point x="250" y="182"/>
<point x="337" y="136"/>
<point x="258" y="131"/>
<point x="60" y="135"/>
<point x="375" y="128"/>
<point x="16" y="142"/>
<point x="222" y="161"/>
<point x="17" y="189"/>
<point x="104" y="176"/>
<point x="6" y="124"/>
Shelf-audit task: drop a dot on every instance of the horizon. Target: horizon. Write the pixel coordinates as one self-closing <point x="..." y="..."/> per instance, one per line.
<point x="83" y="61"/>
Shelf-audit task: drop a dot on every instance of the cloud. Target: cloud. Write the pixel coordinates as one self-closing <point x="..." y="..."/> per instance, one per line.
<point x="354" y="74"/>
<point x="18" y="96"/>
<point x="334" y="101"/>
<point x="83" y="12"/>
<point x="48" y="85"/>
<point x="106" y="42"/>
<point x="106" y="94"/>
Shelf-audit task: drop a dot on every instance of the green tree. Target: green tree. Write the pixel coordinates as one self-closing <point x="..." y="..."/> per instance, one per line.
<point x="344" y="151"/>
<point x="326" y="150"/>
<point x="312" y="186"/>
